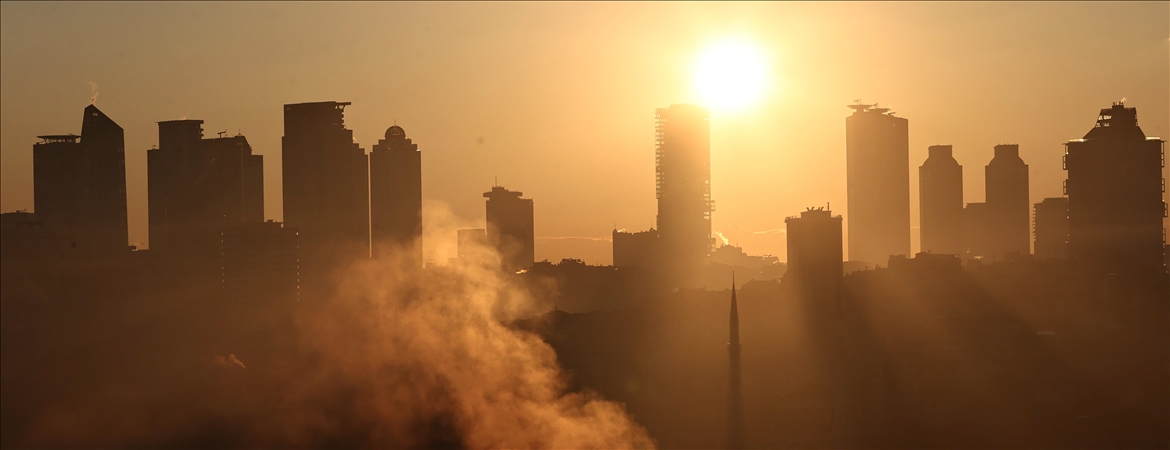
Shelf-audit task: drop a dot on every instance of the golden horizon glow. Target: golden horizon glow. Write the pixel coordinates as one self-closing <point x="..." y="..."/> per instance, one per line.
<point x="730" y="75"/>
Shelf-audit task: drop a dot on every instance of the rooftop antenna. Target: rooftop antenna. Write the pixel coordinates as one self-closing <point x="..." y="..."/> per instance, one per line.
<point x="221" y="133"/>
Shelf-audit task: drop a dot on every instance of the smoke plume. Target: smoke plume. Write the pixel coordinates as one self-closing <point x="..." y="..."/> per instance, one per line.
<point x="93" y="90"/>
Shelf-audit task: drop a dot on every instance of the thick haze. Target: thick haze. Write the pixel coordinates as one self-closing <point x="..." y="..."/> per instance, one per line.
<point x="557" y="99"/>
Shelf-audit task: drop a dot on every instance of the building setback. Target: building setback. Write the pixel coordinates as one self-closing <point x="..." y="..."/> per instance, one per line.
<point x="941" y="202"/>
<point x="1115" y="195"/>
<point x="326" y="189"/>
<point x="396" y="196"/>
<point x="1008" y="220"/>
<point x="510" y="228"/>
<point x="1051" y="219"/>
<point x="683" y="190"/>
<point x="815" y="259"/>
<point x="877" y="153"/>
<point x="79" y="184"/>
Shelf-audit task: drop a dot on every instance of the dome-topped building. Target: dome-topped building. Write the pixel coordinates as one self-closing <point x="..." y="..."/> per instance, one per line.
<point x="396" y="196"/>
<point x="395" y="132"/>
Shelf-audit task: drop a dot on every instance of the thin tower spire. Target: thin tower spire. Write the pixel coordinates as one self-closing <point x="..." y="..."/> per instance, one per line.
<point x="735" y="438"/>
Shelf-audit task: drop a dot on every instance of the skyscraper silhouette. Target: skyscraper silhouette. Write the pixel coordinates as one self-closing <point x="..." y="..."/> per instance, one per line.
<point x="735" y="437"/>
<point x="815" y="260"/>
<point x="877" y="153"/>
<point x="79" y="188"/>
<point x="396" y="195"/>
<point x="510" y="228"/>
<point x="941" y="195"/>
<point x="683" y="187"/>
<point x="326" y="190"/>
<point x="1007" y="203"/>
<point x="196" y="188"/>
<point x="1115" y="196"/>
<point x="1051" y="224"/>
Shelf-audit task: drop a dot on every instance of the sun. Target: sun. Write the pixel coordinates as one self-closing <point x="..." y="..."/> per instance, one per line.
<point x="730" y="75"/>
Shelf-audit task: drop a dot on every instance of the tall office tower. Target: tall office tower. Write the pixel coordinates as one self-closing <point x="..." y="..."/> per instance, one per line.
<point x="1008" y="218"/>
<point x="877" y="153"/>
<point x="510" y="228"/>
<point x="735" y="438"/>
<point x="1051" y="228"/>
<point x="975" y="238"/>
<point x="326" y="189"/>
<point x="197" y="187"/>
<point x="79" y="188"/>
<point x="635" y="249"/>
<point x="815" y="260"/>
<point x="396" y="196"/>
<point x="1115" y="196"/>
<point x="259" y="263"/>
<point x="683" y="166"/>
<point x="940" y="192"/>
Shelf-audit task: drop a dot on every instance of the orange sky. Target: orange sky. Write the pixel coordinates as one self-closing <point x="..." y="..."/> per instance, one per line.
<point x="557" y="99"/>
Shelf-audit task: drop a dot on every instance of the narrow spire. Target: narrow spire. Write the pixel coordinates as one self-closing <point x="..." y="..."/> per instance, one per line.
<point x="734" y="342"/>
<point x="735" y="437"/>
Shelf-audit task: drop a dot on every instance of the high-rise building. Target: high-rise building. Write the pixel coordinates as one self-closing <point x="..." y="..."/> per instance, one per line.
<point x="469" y="240"/>
<point x="1051" y="225"/>
<point x="79" y="186"/>
<point x="815" y="259"/>
<point x="1115" y="195"/>
<point x="326" y="189"/>
<point x="396" y="196"/>
<point x="735" y="437"/>
<point x="1008" y="220"/>
<point x="940" y="189"/>
<point x="510" y="228"/>
<point x="197" y="187"/>
<point x="683" y="189"/>
<point x="975" y="239"/>
<point x="259" y="263"/>
<point x="635" y="249"/>
<point x="877" y="153"/>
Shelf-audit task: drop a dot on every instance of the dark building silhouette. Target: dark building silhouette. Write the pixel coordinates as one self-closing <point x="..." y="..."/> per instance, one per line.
<point x="24" y="236"/>
<point x="975" y="226"/>
<point x="326" y="190"/>
<point x="815" y="259"/>
<point x="79" y="184"/>
<point x="1008" y="220"/>
<point x="635" y="249"/>
<point x="510" y="228"/>
<point x="683" y="189"/>
<point x="396" y="195"/>
<point x="196" y="188"/>
<point x="469" y="239"/>
<point x="1115" y="196"/>
<point x="941" y="202"/>
<point x="927" y="263"/>
<point x="735" y="437"/>
<point x="1051" y="225"/>
<point x="877" y="152"/>
<point x="259" y="262"/>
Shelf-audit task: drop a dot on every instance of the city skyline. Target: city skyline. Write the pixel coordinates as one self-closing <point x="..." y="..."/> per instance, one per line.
<point x="795" y="134"/>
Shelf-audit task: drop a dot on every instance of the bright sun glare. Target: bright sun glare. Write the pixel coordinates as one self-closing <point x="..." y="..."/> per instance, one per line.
<point x="730" y="75"/>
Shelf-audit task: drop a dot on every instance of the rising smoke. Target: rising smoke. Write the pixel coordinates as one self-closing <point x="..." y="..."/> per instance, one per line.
<point x="396" y="357"/>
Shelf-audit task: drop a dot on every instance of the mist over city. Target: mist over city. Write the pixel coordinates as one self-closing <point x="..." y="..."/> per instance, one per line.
<point x="584" y="225"/>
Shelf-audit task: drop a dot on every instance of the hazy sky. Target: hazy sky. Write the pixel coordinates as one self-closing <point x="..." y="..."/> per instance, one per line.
<point x="557" y="99"/>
